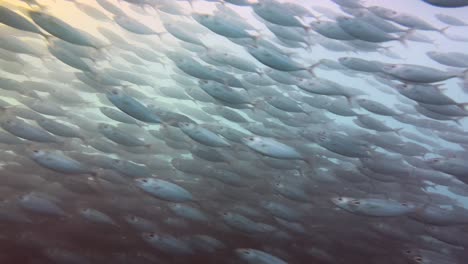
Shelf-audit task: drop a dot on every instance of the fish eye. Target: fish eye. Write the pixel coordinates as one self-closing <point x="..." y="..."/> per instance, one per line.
<point x="356" y="202"/>
<point x="36" y="151"/>
<point x="404" y="204"/>
<point x="115" y="92"/>
<point x="408" y="251"/>
<point x="418" y="259"/>
<point x="340" y="199"/>
<point x="145" y="180"/>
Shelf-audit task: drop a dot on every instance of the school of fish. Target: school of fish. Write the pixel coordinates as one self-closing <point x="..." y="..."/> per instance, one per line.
<point x="204" y="131"/>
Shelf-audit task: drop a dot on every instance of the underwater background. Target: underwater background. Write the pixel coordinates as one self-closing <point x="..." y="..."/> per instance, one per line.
<point x="235" y="131"/>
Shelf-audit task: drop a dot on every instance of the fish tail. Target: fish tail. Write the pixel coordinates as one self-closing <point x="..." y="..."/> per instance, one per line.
<point x="403" y="39"/>
<point x="47" y="37"/>
<point x="443" y="30"/>
<point x="350" y="99"/>
<point x="307" y="28"/>
<point x="94" y="174"/>
<point x="458" y="120"/>
<point x="464" y="76"/>
<point x="397" y="131"/>
<point x="161" y="34"/>
<point x="190" y="3"/>
<point x="256" y="37"/>
<point x="463" y="106"/>
<point x="308" y="44"/>
<point x="140" y="124"/>
<point x="311" y="161"/>
<point x="104" y="48"/>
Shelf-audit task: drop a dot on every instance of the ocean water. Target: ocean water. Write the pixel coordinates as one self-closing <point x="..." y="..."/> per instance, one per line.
<point x="269" y="131"/>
